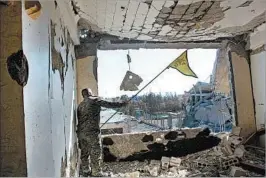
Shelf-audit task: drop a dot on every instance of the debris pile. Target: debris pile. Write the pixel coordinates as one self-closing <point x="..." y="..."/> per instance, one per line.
<point x="223" y="160"/>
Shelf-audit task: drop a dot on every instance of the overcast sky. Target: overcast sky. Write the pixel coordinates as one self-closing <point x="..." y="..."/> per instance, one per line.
<point x="147" y="63"/>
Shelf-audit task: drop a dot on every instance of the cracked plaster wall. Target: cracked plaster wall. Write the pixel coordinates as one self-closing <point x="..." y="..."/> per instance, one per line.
<point x="50" y="96"/>
<point x="171" y="20"/>
<point x="221" y="72"/>
<point x="241" y="87"/>
<point x="257" y="43"/>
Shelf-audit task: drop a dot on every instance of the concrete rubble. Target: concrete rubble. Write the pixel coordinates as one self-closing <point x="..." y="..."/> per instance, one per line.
<point x="223" y="160"/>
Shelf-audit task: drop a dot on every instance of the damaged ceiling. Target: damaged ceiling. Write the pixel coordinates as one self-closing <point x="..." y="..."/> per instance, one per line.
<point x="171" y="20"/>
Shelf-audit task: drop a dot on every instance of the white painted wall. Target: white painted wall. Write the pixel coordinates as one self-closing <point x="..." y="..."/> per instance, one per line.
<point x="48" y="113"/>
<point x="258" y="67"/>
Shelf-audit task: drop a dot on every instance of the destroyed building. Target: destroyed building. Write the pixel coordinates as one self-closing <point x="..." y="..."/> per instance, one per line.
<point x="208" y="106"/>
<point x="49" y="54"/>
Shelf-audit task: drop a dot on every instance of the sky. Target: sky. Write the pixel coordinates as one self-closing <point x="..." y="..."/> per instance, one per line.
<point x="147" y="63"/>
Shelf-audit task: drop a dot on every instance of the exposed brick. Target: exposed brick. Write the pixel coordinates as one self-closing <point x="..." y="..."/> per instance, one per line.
<point x="169" y="22"/>
<point x="187" y="17"/>
<point x="193" y="8"/>
<point x="180" y="9"/>
<point x="169" y="4"/>
<point x="162" y="15"/>
<point x="166" y="10"/>
<point x="175" y="17"/>
<point x="159" y="21"/>
<point x="153" y="33"/>
<point x="165" y="30"/>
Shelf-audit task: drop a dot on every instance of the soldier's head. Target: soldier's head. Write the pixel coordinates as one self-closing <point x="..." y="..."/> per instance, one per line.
<point x="85" y="93"/>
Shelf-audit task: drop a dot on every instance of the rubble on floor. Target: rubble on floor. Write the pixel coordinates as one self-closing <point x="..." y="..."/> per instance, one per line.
<point x="223" y="160"/>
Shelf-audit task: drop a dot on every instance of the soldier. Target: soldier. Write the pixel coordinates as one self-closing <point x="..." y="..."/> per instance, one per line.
<point x="88" y="132"/>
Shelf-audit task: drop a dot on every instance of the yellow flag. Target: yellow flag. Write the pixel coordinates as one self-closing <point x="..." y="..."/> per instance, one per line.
<point x="181" y="64"/>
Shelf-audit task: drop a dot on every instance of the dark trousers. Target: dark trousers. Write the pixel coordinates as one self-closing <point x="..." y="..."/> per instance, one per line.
<point x="91" y="153"/>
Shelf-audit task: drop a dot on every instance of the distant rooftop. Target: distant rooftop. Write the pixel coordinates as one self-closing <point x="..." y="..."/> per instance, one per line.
<point x="107" y="113"/>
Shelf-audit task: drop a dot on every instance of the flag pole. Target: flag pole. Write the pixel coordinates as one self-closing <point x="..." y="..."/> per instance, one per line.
<point x="136" y="94"/>
<point x="141" y="90"/>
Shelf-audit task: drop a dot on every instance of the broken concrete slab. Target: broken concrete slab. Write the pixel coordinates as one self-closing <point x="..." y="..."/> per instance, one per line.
<point x="165" y="162"/>
<point x="134" y="174"/>
<point x="237" y="172"/>
<point x="175" y="162"/>
<point x="154" y="171"/>
<point x="240" y="151"/>
<point x="227" y="150"/>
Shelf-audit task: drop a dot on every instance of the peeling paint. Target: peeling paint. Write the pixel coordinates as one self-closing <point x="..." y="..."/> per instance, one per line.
<point x="57" y="61"/>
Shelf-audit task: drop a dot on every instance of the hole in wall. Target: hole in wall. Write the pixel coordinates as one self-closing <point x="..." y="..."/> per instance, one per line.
<point x="62" y="42"/>
<point x="33" y="9"/>
<point x="107" y="141"/>
<point x="172" y="135"/>
<point x="55" y="4"/>
<point x="147" y="138"/>
<point x="18" y="69"/>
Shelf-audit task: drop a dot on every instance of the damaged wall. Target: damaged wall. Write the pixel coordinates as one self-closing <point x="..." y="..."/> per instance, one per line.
<point x="12" y="130"/>
<point x="221" y="72"/>
<point x="49" y="96"/>
<point x="172" y="20"/>
<point x="257" y="43"/>
<point x="87" y="75"/>
<point x="241" y="87"/>
<point x="154" y="145"/>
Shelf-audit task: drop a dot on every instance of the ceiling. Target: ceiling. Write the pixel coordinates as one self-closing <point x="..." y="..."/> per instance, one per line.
<point x="171" y="20"/>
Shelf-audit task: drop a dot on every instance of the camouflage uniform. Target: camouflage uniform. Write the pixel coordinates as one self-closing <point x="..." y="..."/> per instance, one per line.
<point x="89" y="133"/>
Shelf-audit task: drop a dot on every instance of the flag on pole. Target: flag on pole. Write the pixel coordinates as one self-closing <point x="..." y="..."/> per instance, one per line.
<point x="181" y="64"/>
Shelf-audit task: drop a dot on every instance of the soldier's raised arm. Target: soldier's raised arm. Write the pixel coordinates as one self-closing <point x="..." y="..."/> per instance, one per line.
<point x="108" y="104"/>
